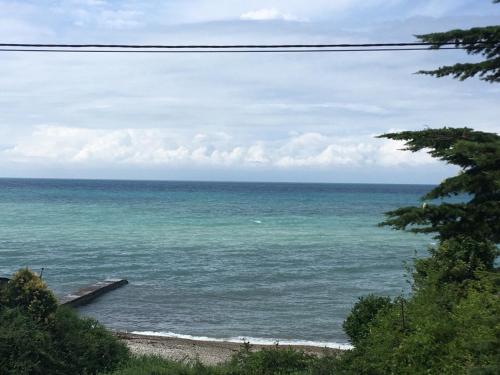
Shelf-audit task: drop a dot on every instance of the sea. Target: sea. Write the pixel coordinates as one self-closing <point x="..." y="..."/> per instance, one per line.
<point x="265" y="262"/>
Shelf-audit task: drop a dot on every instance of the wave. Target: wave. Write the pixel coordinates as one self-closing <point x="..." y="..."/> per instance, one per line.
<point x="251" y="340"/>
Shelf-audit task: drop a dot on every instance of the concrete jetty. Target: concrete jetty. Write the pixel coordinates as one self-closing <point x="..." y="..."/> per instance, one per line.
<point x="91" y="292"/>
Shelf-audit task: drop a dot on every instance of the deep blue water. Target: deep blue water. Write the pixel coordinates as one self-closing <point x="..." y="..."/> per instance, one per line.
<point x="215" y="259"/>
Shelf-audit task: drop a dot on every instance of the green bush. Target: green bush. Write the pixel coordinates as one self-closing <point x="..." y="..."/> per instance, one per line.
<point x="153" y="365"/>
<point x="39" y="337"/>
<point x="357" y="324"/>
<point x="83" y="345"/>
<point x="275" y="360"/>
<point x="455" y="261"/>
<point x="272" y="361"/>
<point x="29" y="293"/>
<point x="25" y="348"/>
<point x="449" y="329"/>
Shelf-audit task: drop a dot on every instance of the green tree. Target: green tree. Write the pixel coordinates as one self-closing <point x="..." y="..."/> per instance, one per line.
<point x="445" y="332"/>
<point x="450" y="324"/>
<point x="364" y="312"/>
<point x="477" y="153"/>
<point x="477" y="213"/>
<point x="478" y="40"/>
<point x="455" y="261"/>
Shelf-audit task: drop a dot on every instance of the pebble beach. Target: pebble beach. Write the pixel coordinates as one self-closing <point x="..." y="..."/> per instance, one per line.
<point x="207" y="352"/>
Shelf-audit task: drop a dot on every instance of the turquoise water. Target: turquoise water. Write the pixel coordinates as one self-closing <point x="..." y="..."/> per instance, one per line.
<point x="219" y="260"/>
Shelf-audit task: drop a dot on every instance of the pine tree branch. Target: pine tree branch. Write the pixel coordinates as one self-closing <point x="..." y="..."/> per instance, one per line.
<point x="478" y="40"/>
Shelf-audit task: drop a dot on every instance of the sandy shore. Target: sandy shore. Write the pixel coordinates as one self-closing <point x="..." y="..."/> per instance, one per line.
<point x="208" y="352"/>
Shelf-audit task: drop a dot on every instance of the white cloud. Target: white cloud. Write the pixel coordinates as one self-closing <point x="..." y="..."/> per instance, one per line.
<point x="107" y="18"/>
<point x="153" y="147"/>
<point x="90" y="3"/>
<point x="229" y="110"/>
<point x="268" y="14"/>
<point x="372" y="109"/>
<point x="437" y="8"/>
<point x="119" y="19"/>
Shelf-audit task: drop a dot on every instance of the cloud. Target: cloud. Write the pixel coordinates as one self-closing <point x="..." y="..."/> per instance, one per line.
<point x="280" y="114"/>
<point x="161" y="147"/>
<point x="120" y="19"/>
<point x="268" y="14"/>
<point x="91" y="3"/>
<point x="437" y="8"/>
<point x="367" y="108"/>
<point x="107" y="18"/>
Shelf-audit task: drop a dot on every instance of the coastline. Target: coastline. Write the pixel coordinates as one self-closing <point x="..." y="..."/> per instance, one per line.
<point x="207" y="352"/>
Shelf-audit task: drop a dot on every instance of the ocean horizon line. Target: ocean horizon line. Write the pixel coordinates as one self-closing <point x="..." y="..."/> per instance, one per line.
<point x="214" y="181"/>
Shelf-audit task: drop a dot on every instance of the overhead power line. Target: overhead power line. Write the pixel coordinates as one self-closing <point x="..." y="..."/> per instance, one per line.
<point x="220" y="51"/>
<point x="221" y="46"/>
<point x="228" y="48"/>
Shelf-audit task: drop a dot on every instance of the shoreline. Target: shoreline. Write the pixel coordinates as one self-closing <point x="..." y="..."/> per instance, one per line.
<point x="207" y="352"/>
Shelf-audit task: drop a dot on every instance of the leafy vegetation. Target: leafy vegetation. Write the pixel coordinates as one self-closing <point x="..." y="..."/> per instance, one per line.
<point x="477" y="215"/>
<point x="357" y="325"/>
<point x="25" y="348"/>
<point x="27" y="292"/>
<point x="39" y="337"/>
<point x="149" y="365"/>
<point x="272" y="361"/>
<point x="443" y="328"/>
<point x="451" y="322"/>
<point x="478" y="40"/>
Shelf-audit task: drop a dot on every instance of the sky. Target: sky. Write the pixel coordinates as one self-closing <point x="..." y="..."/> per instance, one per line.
<point x="237" y="117"/>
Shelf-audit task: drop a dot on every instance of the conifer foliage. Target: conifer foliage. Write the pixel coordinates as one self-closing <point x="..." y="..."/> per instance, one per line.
<point x="476" y="212"/>
<point x="483" y="41"/>
<point x="450" y="322"/>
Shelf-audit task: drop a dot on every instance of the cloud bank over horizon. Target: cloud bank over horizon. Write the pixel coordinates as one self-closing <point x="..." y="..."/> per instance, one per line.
<point x="68" y="145"/>
<point x="310" y="117"/>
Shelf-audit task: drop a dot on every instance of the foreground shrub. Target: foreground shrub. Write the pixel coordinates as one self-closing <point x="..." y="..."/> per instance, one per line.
<point x="274" y="360"/>
<point x="25" y="348"/>
<point x="71" y="345"/>
<point x="153" y="365"/>
<point x="39" y="337"/>
<point x="83" y="345"/>
<point x="357" y="324"/>
<point x="29" y="293"/>
<point x="447" y="330"/>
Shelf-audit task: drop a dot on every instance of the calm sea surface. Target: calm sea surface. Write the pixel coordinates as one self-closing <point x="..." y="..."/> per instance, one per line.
<point x="263" y="260"/>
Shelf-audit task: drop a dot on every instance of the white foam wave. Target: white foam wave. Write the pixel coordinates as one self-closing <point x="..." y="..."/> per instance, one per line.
<point x="251" y="340"/>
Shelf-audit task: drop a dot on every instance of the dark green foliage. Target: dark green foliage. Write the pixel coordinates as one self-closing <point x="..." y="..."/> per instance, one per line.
<point x="38" y="337"/>
<point x="364" y="312"/>
<point x="478" y="40"/>
<point x="29" y="293"/>
<point x="25" y="348"/>
<point x="455" y="261"/>
<point x="448" y="330"/>
<point x="450" y="325"/>
<point x="152" y="365"/>
<point x="270" y="361"/>
<point x="83" y="345"/>
<point x="478" y="214"/>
